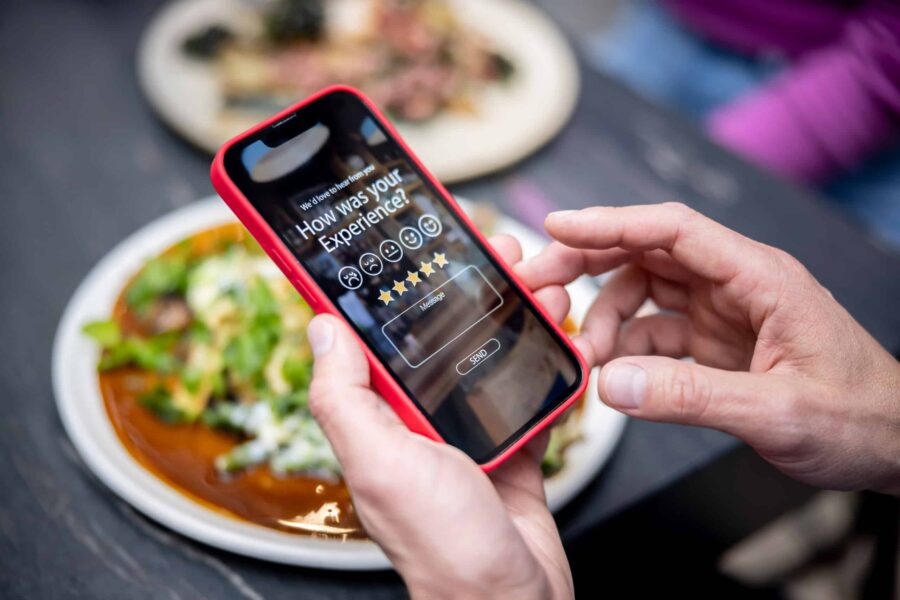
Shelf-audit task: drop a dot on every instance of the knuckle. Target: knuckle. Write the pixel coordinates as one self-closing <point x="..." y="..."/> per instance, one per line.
<point x="787" y="277"/>
<point x="789" y="269"/>
<point x="688" y="393"/>
<point x="681" y="211"/>
<point x="786" y="261"/>
<point x="789" y="419"/>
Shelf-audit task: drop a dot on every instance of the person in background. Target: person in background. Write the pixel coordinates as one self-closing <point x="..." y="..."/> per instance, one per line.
<point x="809" y="89"/>
<point x="779" y="364"/>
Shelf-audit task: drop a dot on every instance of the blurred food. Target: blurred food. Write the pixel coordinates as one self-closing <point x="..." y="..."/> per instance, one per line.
<point x="204" y="373"/>
<point x="472" y="85"/>
<point x="566" y="430"/>
<point x="414" y="58"/>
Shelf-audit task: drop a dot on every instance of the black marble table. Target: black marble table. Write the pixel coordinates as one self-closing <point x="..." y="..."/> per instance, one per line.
<point x="83" y="163"/>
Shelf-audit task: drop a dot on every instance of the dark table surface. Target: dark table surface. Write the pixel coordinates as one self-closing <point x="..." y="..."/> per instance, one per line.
<point x="83" y="163"/>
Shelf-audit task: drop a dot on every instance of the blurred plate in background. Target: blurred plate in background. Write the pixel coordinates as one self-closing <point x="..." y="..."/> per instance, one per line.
<point x="509" y="120"/>
<point x="86" y="421"/>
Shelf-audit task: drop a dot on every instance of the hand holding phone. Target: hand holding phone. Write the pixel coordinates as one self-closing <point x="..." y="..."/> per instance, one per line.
<point x="409" y="492"/>
<point x="456" y="345"/>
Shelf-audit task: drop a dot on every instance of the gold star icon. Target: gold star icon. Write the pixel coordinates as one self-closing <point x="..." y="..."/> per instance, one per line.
<point x="440" y="260"/>
<point x="386" y="297"/>
<point x="426" y="269"/>
<point x="399" y="287"/>
<point x="413" y="278"/>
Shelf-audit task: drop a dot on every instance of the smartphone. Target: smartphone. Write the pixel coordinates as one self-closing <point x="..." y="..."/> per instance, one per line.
<point x="456" y="345"/>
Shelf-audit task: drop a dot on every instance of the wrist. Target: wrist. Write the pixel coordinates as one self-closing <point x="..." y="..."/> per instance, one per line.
<point x="503" y="584"/>
<point x="888" y="481"/>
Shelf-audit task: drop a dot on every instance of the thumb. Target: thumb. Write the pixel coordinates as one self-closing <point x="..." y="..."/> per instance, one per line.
<point x="354" y="418"/>
<point x="752" y="406"/>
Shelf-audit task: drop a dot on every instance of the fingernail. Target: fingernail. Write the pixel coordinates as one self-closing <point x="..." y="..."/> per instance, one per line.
<point x="320" y="334"/>
<point x="561" y="213"/>
<point x="626" y="385"/>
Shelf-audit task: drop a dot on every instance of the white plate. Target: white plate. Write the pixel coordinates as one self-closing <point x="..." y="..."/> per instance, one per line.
<point x="513" y="119"/>
<point x="84" y="416"/>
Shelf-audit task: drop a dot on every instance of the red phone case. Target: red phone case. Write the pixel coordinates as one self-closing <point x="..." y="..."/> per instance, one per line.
<point x="383" y="382"/>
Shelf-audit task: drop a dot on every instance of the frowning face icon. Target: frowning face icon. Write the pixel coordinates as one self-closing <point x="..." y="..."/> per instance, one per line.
<point x="370" y="264"/>
<point x="350" y="278"/>
<point x="411" y="238"/>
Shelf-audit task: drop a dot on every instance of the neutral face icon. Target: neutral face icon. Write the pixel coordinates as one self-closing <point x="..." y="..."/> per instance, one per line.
<point x="390" y="251"/>
<point x="411" y="238"/>
<point x="350" y="278"/>
<point x="430" y="225"/>
<point x="370" y="264"/>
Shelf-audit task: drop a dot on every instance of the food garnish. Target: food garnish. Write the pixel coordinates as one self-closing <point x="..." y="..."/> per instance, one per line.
<point x="225" y="335"/>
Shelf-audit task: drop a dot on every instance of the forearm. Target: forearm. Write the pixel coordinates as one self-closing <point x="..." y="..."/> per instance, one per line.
<point x="453" y="590"/>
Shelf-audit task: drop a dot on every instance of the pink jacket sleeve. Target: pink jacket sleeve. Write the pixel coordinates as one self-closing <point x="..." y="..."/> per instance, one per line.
<point x="828" y="112"/>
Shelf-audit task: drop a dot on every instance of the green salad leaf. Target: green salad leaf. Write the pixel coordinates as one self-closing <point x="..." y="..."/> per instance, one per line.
<point x="106" y="333"/>
<point x="160" y="276"/>
<point x="247" y="353"/>
<point x="289" y="403"/>
<point x="220" y="415"/>
<point x="191" y="378"/>
<point x="159" y="402"/>
<point x="297" y="372"/>
<point x="151" y="353"/>
<point x="199" y="332"/>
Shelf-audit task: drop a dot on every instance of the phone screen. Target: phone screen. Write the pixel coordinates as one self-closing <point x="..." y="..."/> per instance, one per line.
<point x="384" y="245"/>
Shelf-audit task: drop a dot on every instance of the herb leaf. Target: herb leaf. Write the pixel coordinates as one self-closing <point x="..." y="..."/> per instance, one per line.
<point x="289" y="403"/>
<point x="297" y="372"/>
<point x="106" y="333"/>
<point x="159" y="402"/>
<point x="161" y="276"/>
<point x="154" y="354"/>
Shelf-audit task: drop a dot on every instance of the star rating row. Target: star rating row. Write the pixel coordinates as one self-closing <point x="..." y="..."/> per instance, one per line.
<point x="413" y="278"/>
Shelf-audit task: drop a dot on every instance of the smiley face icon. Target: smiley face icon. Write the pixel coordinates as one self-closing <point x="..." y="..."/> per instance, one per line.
<point x="350" y="278"/>
<point x="390" y="251"/>
<point x="370" y="264"/>
<point x="430" y="225"/>
<point x="411" y="238"/>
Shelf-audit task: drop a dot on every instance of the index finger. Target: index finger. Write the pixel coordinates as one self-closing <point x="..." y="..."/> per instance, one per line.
<point x="700" y="244"/>
<point x="558" y="264"/>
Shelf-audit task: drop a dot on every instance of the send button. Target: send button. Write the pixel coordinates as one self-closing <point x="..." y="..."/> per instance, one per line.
<point x="479" y="356"/>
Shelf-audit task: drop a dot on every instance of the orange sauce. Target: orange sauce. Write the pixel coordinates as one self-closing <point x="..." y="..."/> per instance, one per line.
<point x="183" y="455"/>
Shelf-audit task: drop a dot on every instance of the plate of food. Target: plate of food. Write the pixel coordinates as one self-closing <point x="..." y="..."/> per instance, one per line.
<point x="180" y="369"/>
<point x="473" y="85"/>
